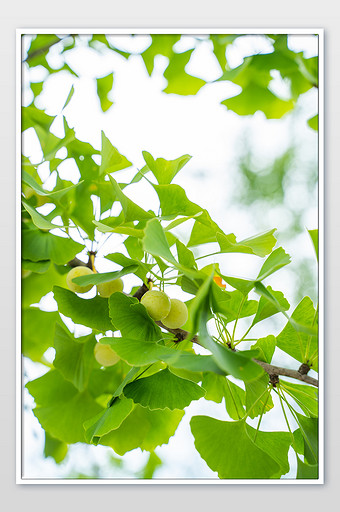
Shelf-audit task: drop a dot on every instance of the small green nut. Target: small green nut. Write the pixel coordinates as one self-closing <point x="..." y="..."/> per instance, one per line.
<point x="177" y="316"/>
<point x="78" y="272"/>
<point x="157" y="304"/>
<point x="107" y="289"/>
<point x="105" y="355"/>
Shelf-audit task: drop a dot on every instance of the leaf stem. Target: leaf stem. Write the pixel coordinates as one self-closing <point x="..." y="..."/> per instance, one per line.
<point x="262" y="413"/>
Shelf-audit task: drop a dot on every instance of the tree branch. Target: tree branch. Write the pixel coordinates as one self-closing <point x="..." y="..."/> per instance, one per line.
<point x="286" y="372"/>
<point x="273" y="371"/>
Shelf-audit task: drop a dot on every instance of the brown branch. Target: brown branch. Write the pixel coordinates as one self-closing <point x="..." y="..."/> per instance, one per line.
<point x="286" y="372"/>
<point x="273" y="371"/>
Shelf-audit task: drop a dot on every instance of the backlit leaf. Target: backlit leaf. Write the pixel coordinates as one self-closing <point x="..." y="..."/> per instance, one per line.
<point x="93" y="313"/>
<point x="165" y="170"/>
<point x="74" y="356"/>
<point x="112" y="159"/>
<point x="228" y="449"/>
<point x="163" y="390"/>
<point x="60" y="408"/>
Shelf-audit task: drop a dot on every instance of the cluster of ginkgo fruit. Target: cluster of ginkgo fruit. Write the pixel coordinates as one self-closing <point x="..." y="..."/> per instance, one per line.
<point x="172" y="313"/>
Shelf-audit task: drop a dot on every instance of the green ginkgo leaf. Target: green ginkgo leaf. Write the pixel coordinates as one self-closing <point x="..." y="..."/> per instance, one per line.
<point x="112" y="159"/>
<point x="74" y="356"/>
<point x="163" y="390"/>
<point x="228" y="449"/>
<point x="165" y="170"/>
<point x="93" y="313"/>
<point x="260" y="245"/>
<point x="107" y="420"/>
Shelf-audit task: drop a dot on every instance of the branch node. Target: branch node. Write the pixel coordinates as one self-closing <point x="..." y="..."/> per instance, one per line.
<point x="304" y="369"/>
<point x="274" y="379"/>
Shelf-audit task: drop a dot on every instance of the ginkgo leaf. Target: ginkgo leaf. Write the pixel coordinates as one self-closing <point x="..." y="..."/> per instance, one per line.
<point x="112" y="159"/>
<point x="228" y="449"/>
<point x="165" y="170"/>
<point x="93" y="313"/>
<point x="163" y="390"/>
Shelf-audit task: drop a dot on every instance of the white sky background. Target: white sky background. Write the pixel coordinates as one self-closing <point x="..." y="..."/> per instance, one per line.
<point x="168" y="126"/>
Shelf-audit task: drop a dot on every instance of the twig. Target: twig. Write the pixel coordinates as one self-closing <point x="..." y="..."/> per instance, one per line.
<point x="273" y="371"/>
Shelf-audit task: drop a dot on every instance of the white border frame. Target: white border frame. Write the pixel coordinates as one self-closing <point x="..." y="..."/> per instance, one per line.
<point x="119" y="31"/>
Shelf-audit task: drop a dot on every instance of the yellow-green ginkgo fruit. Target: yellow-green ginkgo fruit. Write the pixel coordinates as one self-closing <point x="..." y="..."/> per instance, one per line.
<point x="105" y="355"/>
<point x="177" y="316"/>
<point x="107" y="289"/>
<point x="157" y="304"/>
<point x="78" y="272"/>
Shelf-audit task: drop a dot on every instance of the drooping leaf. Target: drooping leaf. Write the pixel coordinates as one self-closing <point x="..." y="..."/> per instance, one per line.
<point x="40" y="221"/>
<point x="204" y="230"/>
<point x="74" y="356"/>
<point x="53" y="195"/>
<point x="267" y="309"/>
<point x="266" y="348"/>
<point x="107" y="420"/>
<point x="228" y="449"/>
<point x="243" y="285"/>
<point x="260" y="245"/>
<point x="163" y="390"/>
<point x="131" y="318"/>
<point x="104" y="277"/>
<point x="93" y="313"/>
<point x="185" y="256"/>
<point x="131" y="210"/>
<point x="258" y="399"/>
<point x="136" y="352"/>
<point x="112" y="159"/>
<point x="155" y="242"/>
<point x="60" y="408"/>
<point x="154" y="429"/>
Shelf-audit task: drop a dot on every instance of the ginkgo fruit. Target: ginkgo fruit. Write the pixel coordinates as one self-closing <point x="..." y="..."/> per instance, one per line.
<point x="78" y="272"/>
<point x="177" y="316"/>
<point x="107" y="289"/>
<point x="157" y="304"/>
<point x="105" y="355"/>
